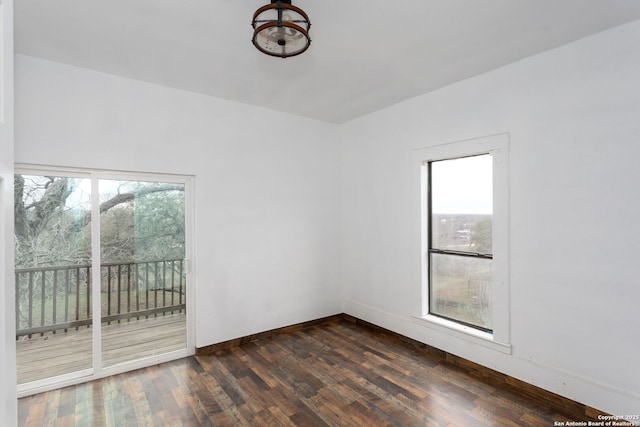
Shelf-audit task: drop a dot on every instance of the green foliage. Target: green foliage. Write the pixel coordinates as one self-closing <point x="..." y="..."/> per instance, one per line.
<point x="144" y="229"/>
<point x="481" y="236"/>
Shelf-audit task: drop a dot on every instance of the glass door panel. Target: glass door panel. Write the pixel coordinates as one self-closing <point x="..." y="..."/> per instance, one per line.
<point x="142" y="286"/>
<point x="52" y="276"/>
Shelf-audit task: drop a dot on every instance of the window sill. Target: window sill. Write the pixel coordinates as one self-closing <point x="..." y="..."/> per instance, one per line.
<point x="457" y="330"/>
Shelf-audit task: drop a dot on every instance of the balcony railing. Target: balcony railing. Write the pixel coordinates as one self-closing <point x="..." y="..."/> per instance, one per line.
<point x="52" y="299"/>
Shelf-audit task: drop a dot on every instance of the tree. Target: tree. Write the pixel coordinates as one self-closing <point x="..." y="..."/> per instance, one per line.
<point x="481" y="236"/>
<point x="145" y="228"/>
<point x="46" y="228"/>
<point x="52" y="217"/>
<point x="38" y="202"/>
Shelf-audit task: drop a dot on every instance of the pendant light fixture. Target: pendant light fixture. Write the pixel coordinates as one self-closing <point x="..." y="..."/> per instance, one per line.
<point x="281" y="29"/>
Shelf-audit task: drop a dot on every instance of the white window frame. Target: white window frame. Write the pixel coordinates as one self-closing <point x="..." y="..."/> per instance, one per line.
<point x="498" y="147"/>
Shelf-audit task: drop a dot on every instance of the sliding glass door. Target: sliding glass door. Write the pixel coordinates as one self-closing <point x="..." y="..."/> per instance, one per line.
<point x="52" y="275"/>
<point x="143" y="287"/>
<point x="101" y="274"/>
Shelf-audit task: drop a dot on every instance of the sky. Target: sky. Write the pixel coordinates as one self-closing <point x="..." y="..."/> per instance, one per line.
<point x="463" y="186"/>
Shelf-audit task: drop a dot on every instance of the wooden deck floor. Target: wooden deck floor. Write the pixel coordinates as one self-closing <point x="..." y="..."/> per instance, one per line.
<point x="61" y="353"/>
<point x="335" y="374"/>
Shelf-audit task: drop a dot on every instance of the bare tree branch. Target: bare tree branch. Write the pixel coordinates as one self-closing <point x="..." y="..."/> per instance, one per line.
<point x="126" y="197"/>
<point x="46" y="228"/>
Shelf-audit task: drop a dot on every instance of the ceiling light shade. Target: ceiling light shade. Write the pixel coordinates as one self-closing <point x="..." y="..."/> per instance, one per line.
<point x="281" y="29"/>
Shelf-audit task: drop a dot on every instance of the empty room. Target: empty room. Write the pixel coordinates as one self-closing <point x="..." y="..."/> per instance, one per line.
<point x="357" y="213"/>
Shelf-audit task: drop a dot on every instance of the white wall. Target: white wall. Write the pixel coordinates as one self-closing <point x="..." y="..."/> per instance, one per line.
<point x="266" y="207"/>
<point x="8" y="403"/>
<point x="573" y="115"/>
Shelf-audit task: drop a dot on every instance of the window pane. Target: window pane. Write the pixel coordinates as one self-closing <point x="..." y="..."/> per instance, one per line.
<point x="462" y="204"/>
<point x="53" y="275"/>
<point x="461" y="288"/>
<point x="143" y="287"/>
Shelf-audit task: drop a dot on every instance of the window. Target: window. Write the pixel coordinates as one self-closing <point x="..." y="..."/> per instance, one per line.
<point x="461" y="239"/>
<point x="460" y="193"/>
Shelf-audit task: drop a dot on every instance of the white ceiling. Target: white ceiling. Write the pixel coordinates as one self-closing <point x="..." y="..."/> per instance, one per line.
<point x="365" y="55"/>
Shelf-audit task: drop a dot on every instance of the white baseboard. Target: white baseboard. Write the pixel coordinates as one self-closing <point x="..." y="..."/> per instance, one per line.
<point x="604" y="397"/>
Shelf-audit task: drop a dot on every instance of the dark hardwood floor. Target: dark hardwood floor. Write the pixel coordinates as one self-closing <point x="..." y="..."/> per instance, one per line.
<point x="339" y="373"/>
